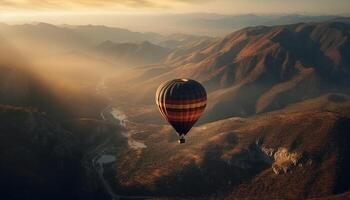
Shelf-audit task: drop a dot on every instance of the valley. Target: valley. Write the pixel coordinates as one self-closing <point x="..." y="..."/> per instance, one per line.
<point x="80" y="120"/>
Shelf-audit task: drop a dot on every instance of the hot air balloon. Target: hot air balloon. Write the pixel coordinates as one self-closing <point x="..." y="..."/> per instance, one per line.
<point x="181" y="102"/>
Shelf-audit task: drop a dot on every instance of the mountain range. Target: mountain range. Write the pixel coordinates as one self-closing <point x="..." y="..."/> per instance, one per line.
<point x="276" y="124"/>
<point x="261" y="69"/>
<point x="275" y="127"/>
<point x="210" y="24"/>
<point x="87" y="35"/>
<point x="133" y="54"/>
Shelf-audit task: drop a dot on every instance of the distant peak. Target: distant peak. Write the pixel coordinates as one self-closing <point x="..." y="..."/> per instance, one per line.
<point x="107" y="42"/>
<point x="44" y="24"/>
<point x="146" y="43"/>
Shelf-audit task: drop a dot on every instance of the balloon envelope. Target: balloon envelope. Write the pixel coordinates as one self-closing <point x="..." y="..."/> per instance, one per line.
<point x="181" y="102"/>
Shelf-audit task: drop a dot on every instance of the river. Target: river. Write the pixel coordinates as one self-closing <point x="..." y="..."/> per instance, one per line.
<point x="102" y="158"/>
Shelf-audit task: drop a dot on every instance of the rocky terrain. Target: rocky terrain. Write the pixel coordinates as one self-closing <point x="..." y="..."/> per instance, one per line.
<point x="287" y="154"/>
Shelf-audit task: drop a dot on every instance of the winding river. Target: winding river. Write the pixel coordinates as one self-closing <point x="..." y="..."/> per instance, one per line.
<point x="102" y="158"/>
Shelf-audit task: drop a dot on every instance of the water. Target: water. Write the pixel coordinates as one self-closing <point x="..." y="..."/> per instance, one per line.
<point x="105" y="159"/>
<point x="122" y="118"/>
<point x="101" y="89"/>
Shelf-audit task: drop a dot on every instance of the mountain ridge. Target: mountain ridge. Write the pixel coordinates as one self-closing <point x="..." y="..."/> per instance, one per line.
<point x="261" y="157"/>
<point x="143" y="53"/>
<point x="260" y="69"/>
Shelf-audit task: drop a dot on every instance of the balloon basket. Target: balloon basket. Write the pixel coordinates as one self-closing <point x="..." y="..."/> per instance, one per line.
<point x="182" y="140"/>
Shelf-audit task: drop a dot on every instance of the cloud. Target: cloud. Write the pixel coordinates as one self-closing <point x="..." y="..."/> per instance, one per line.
<point x="15" y="8"/>
<point x="92" y="4"/>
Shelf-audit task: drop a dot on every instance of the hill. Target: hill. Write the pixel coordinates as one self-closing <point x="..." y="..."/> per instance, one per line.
<point x="98" y="34"/>
<point x="260" y="69"/>
<point x="43" y="35"/>
<point x="38" y="157"/>
<point x="49" y="134"/>
<point x="44" y="159"/>
<point x="144" y="53"/>
<point x="287" y="154"/>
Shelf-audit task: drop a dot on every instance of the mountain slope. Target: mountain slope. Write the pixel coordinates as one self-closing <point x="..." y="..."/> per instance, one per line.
<point x="98" y="34"/>
<point x="287" y="154"/>
<point x="39" y="158"/>
<point x="43" y="35"/>
<point x="132" y="53"/>
<point x="260" y="69"/>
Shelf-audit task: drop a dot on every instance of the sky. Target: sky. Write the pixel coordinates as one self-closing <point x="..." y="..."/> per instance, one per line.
<point x="24" y="7"/>
<point x="144" y="15"/>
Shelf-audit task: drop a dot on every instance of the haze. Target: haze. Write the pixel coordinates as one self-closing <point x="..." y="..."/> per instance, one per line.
<point x="221" y="6"/>
<point x="143" y="15"/>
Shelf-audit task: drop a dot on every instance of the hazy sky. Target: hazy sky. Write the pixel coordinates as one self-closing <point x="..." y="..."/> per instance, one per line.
<point x="18" y="7"/>
<point x="148" y="15"/>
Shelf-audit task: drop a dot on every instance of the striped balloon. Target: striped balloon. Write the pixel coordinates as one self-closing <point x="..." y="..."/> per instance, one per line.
<point x="181" y="102"/>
